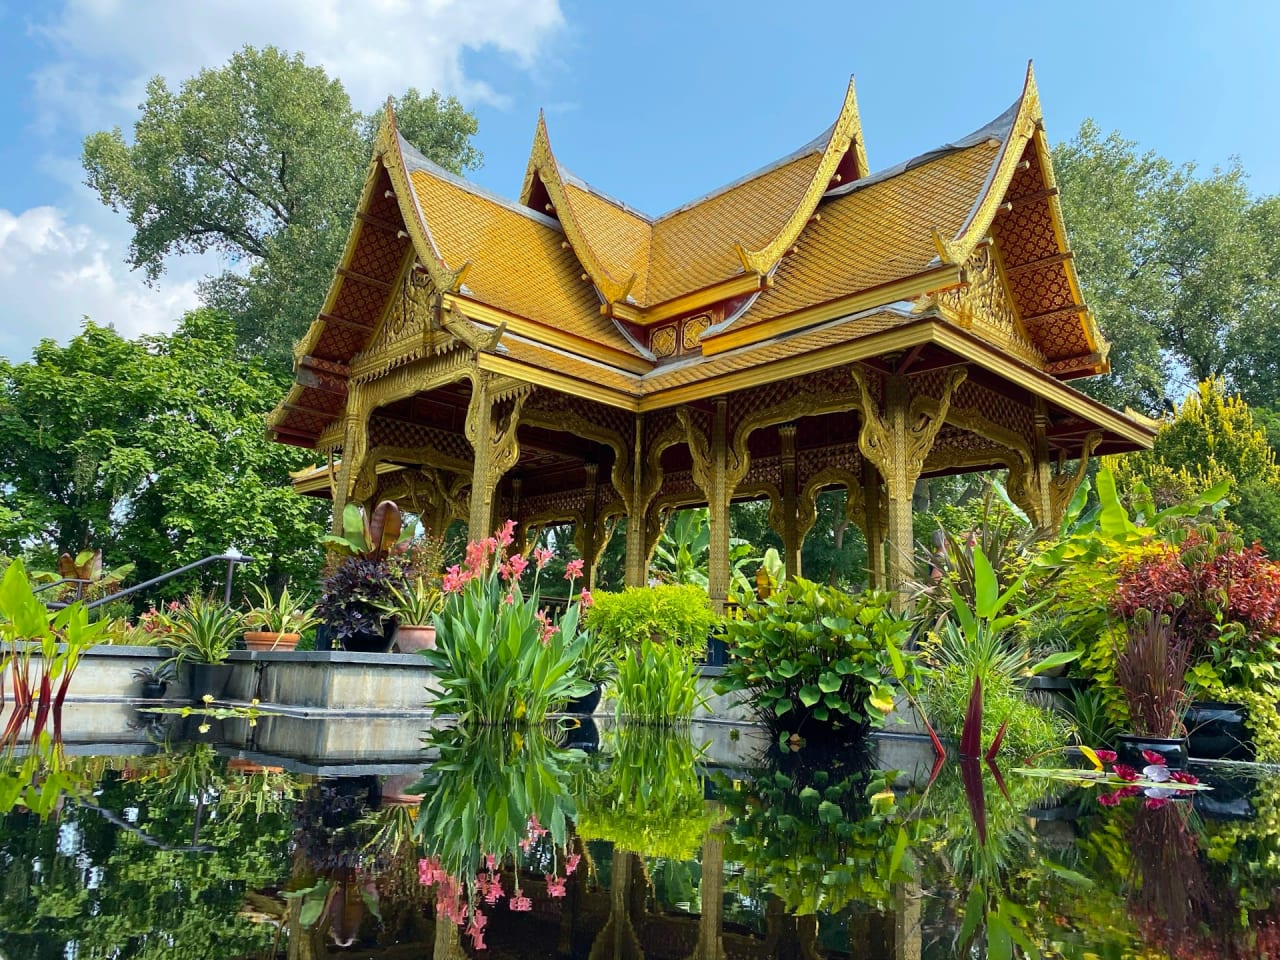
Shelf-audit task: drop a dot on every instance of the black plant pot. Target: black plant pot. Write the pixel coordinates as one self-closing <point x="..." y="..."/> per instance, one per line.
<point x="368" y="642"/>
<point x="585" y="736"/>
<point x="1216" y="731"/>
<point x="210" y="679"/>
<point x="1129" y="747"/>
<point x="154" y="689"/>
<point x="585" y="706"/>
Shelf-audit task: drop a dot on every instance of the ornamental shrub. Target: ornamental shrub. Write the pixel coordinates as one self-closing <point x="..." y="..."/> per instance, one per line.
<point x="671" y="613"/>
<point x="499" y="659"/>
<point x="818" y="662"/>
<point x="656" y="684"/>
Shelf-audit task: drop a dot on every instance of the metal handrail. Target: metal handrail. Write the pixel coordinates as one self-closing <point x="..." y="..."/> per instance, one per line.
<point x="231" y="557"/>
<point x="80" y="583"/>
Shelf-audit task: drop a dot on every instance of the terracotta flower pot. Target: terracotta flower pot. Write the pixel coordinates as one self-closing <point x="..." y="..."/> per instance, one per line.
<point x="266" y="640"/>
<point x="412" y="638"/>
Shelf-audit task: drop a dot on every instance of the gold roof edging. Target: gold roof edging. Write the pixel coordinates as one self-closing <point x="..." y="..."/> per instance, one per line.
<point x="846" y="134"/>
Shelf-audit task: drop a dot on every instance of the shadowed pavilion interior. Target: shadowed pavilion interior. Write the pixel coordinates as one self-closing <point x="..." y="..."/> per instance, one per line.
<point x="564" y="358"/>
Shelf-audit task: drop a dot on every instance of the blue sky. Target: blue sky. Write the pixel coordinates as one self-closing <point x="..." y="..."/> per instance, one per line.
<point x="655" y="102"/>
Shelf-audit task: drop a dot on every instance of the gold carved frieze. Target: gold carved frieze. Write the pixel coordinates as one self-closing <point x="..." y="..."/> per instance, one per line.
<point x="981" y="303"/>
<point x="691" y="332"/>
<point x="663" y="341"/>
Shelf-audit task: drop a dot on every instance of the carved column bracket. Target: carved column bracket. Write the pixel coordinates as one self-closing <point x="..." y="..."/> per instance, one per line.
<point x="493" y="417"/>
<point x="896" y="436"/>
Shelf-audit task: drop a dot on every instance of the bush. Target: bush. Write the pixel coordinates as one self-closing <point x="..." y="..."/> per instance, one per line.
<point x="674" y="614"/>
<point x="817" y="661"/>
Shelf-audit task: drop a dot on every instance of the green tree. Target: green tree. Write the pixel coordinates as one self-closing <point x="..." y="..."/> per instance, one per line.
<point x="154" y="450"/>
<point x="1180" y="269"/>
<point x="1212" y="437"/>
<point x="260" y="160"/>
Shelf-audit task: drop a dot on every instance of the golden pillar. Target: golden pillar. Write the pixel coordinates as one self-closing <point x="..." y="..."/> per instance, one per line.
<point x="896" y="436"/>
<point x="355" y="447"/>
<point x="718" y="493"/>
<point x="584" y="533"/>
<point x="492" y="420"/>
<point x="872" y="523"/>
<point x="792" y="535"/>
<point x="637" y="561"/>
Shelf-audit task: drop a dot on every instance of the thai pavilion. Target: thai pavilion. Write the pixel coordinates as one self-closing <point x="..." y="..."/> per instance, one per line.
<point x="565" y="358"/>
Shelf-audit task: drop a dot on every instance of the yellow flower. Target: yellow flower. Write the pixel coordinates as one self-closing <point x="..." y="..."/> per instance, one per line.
<point x="254" y="702"/>
<point x="253" y="722"/>
<point x="207" y="698"/>
<point x="204" y="728"/>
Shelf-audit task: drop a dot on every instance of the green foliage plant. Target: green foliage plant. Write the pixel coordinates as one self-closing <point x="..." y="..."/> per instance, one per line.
<point x="499" y="659"/>
<point x="656" y="684"/>
<point x="977" y="643"/>
<point x="416" y="604"/>
<point x="683" y="553"/>
<point x="377" y="536"/>
<point x="673" y="613"/>
<point x="283" y="613"/>
<point x="203" y="630"/>
<point x="27" y="628"/>
<point x="817" y="662"/>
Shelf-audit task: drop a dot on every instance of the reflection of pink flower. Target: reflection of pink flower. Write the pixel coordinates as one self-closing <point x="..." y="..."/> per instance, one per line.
<point x="555" y="885"/>
<point x="1154" y="803"/>
<point x="491" y="862"/>
<point x="1129" y="791"/>
<point x="1152" y="757"/>
<point x="1125" y="772"/>
<point x="521" y="904"/>
<point x="571" y="863"/>
<point x="429" y="871"/>
<point x="573" y="569"/>
<point x="1106" y="756"/>
<point x="1110" y="799"/>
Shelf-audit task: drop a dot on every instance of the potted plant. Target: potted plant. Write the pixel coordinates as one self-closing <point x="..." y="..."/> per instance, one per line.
<point x="278" y="622"/>
<point x="203" y="632"/>
<point x="154" y="679"/>
<point x="357" y="593"/>
<point x="666" y="613"/>
<point x="598" y="667"/>
<point x="413" y="609"/>
<point x="1151" y="665"/>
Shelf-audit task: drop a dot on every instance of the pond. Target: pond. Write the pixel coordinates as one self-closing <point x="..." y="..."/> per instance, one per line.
<point x="620" y="843"/>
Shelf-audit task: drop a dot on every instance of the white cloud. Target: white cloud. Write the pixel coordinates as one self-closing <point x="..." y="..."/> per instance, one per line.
<point x="53" y="272"/>
<point x="106" y="49"/>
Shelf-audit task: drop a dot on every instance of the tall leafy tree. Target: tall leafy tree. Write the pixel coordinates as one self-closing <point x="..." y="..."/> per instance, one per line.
<point x="154" y="450"/>
<point x="260" y="160"/>
<point x="1180" y="268"/>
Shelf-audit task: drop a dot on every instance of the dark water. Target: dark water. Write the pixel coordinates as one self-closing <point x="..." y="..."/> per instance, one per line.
<point x="636" y="850"/>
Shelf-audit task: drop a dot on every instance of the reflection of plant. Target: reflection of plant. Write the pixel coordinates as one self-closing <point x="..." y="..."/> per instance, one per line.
<point x="814" y="659"/>
<point x="648" y="796"/>
<point x="817" y="839"/>
<point x="498" y="658"/>
<point x="656" y="684"/>
<point x="489" y="798"/>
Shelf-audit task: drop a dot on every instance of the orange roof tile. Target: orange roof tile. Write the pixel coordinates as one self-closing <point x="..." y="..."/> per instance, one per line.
<point x="517" y="259"/>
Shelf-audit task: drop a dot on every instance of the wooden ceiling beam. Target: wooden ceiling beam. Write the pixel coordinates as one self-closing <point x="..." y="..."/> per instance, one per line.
<point x="382" y="224"/>
<point x="363" y="278"/>
<point x="1022" y="268"/>
<point x="344" y="322"/>
<point x="1071" y="311"/>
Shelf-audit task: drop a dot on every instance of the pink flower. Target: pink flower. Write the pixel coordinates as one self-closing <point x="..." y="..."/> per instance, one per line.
<point x="586" y="600"/>
<point x="548" y="628"/>
<point x="543" y="556"/>
<point x="1106" y="756"/>
<point x="1125" y="772"/>
<point x="1152" y="757"/>
<point x="517" y="563"/>
<point x="571" y="863"/>
<point x="174" y="606"/>
<point x="506" y="534"/>
<point x="573" y="569"/>
<point x="453" y="580"/>
<point x="509" y="599"/>
<point x="1181" y="776"/>
<point x="555" y="885"/>
<point x="520" y="904"/>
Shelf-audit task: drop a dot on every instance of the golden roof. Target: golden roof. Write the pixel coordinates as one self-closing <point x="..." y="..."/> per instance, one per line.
<point x="810" y="253"/>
